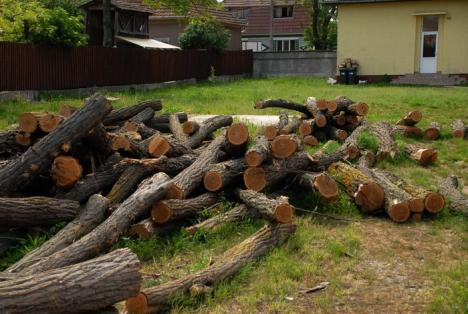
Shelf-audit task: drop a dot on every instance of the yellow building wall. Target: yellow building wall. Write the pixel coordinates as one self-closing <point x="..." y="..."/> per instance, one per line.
<point x="385" y="37"/>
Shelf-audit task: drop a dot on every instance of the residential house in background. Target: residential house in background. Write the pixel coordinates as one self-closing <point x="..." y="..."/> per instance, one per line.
<point x="167" y="26"/>
<point x="412" y="41"/>
<point x="284" y="20"/>
<point x="130" y="20"/>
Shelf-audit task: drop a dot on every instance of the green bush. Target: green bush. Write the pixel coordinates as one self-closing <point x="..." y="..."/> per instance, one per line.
<point x="204" y="34"/>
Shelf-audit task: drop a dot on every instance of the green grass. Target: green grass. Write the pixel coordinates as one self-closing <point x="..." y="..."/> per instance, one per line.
<point x="323" y="248"/>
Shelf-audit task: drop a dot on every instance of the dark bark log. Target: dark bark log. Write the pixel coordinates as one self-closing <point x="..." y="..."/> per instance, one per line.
<point x="411" y="119"/>
<point x="146" y="229"/>
<point x="320" y="183"/>
<point x="122" y="114"/>
<point x="91" y="285"/>
<point x="170" y="210"/>
<point x="37" y="158"/>
<point x="157" y="298"/>
<point x="387" y="145"/>
<point x="284" y="146"/>
<point x="140" y="128"/>
<point x="368" y="195"/>
<point x="9" y="147"/>
<point x="66" y="171"/>
<point x="458" y="128"/>
<point x="433" y="131"/>
<point x="319" y="117"/>
<point x="367" y="159"/>
<point x="208" y="127"/>
<point x="335" y="133"/>
<point x="275" y="210"/>
<point x="280" y="103"/>
<point x="90" y="217"/>
<point x="423" y="155"/>
<point x="259" y="152"/>
<point x="99" y="141"/>
<point x="340" y="103"/>
<point x="190" y="127"/>
<point x="176" y="128"/>
<point x="458" y="201"/>
<point x="236" y="214"/>
<point x="222" y="174"/>
<point x="143" y="116"/>
<point x="164" y="118"/>
<point x="160" y="145"/>
<point x="102" y="179"/>
<point x="107" y="233"/>
<point x="36" y="211"/>
<point x="190" y="178"/>
<point x="321" y="160"/>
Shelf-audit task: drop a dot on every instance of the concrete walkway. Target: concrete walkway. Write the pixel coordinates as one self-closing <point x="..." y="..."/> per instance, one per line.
<point x="254" y="119"/>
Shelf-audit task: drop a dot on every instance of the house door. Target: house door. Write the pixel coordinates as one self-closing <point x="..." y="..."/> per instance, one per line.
<point x="429" y="52"/>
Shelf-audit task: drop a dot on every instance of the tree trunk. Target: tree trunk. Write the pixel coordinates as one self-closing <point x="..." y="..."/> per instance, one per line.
<point x="176" y="128"/>
<point x="259" y="152"/>
<point x="99" y="141"/>
<point x="107" y="233"/>
<point x="423" y="155"/>
<point x="458" y="201"/>
<point x="222" y="174"/>
<point x="160" y="145"/>
<point x="275" y="210"/>
<point x="190" y="127"/>
<point x="66" y="171"/>
<point x="90" y="217"/>
<point x="87" y="286"/>
<point x="433" y="131"/>
<point x="458" y="128"/>
<point x="411" y="119"/>
<point x="37" y="158"/>
<point x="319" y="117"/>
<point x="408" y="131"/>
<point x="107" y="29"/>
<point x="191" y="177"/>
<point x="368" y="195"/>
<point x="122" y="114"/>
<point x="284" y="146"/>
<point x="36" y="211"/>
<point x="236" y="214"/>
<point x="321" y="160"/>
<point x="280" y="103"/>
<point x="146" y="229"/>
<point x="143" y="116"/>
<point x="173" y="209"/>
<point x="320" y="183"/>
<point x="208" y="127"/>
<point x="157" y="298"/>
<point x="387" y="145"/>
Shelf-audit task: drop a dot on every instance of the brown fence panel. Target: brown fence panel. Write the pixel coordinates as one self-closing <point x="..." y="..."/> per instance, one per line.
<point x="30" y="67"/>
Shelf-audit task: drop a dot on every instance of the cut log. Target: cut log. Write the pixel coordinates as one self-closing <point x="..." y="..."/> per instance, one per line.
<point x="190" y="127"/>
<point x="90" y="217"/>
<point x="339" y="119"/>
<point x="360" y="109"/>
<point x="122" y="114"/>
<point x="66" y="171"/>
<point x="416" y="217"/>
<point x="336" y="134"/>
<point x="164" y="118"/>
<point x="66" y="110"/>
<point x="310" y="140"/>
<point x="433" y="131"/>
<point x="157" y="298"/>
<point x="190" y="178"/>
<point x="38" y="157"/>
<point x="146" y="229"/>
<point x="259" y="152"/>
<point x="322" y="104"/>
<point x="270" y="132"/>
<point x="13" y="143"/>
<point x="139" y="128"/>
<point x="169" y="210"/>
<point x="23" y="139"/>
<point x="280" y="103"/>
<point x="319" y="117"/>
<point x="222" y="174"/>
<point x="423" y="155"/>
<point x="408" y="131"/>
<point x="36" y="211"/>
<point x="307" y="127"/>
<point x="49" y="122"/>
<point x="238" y="134"/>
<point x="291" y="127"/>
<point x="128" y="144"/>
<point x="367" y="159"/>
<point x="387" y="145"/>
<point x="340" y="103"/>
<point x="88" y="286"/>
<point x="176" y="128"/>
<point x="275" y="210"/>
<point x="321" y="160"/>
<point x="102" y="179"/>
<point x="368" y="195"/>
<point x="411" y="119"/>
<point x="28" y="122"/>
<point x="284" y="146"/>
<point x="458" y="201"/>
<point x="160" y="145"/>
<point x="320" y="183"/>
<point x="208" y="127"/>
<point x="143" y="116"/>
<point x="458" y="128"/>
<point x="107" y="233"/>
<point x="236" y="214"/>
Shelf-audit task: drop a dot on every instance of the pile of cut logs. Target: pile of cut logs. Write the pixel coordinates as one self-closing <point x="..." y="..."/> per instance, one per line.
<point x="132" y="172"/>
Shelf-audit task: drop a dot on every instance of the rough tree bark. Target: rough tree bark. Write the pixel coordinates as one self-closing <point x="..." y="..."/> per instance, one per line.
<point x="423" y="155"/>
<point x="259" y="152"/>
<point x="156" y="299"/>
<point x="411" y="119"/>
<point x="387" y="145"/>
<point x="433" y="131"/>
<point x="275" y="210"/>
<point x="319" y="117"/>
<point x="176" y="128"/>
<point x="280" y="103"/>
<point x="458" y="201"/>
<point x="222" y="174"/>
<point x="458" y="128"/>
<point x="122" y="114"/>
<point x="208" y="127"/>
<point x="320" y="183"/>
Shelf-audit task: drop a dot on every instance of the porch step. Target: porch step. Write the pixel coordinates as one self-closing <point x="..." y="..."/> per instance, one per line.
<point x="434" y="79"/>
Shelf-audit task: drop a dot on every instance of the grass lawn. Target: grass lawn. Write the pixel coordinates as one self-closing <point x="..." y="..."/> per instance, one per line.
<point x="371" y="264"/>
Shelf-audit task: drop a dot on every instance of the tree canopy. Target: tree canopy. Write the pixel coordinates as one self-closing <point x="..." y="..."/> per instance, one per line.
<point x="321" y="34"/>
<point x="204" y="33"/>
<point x="181" y="6"/>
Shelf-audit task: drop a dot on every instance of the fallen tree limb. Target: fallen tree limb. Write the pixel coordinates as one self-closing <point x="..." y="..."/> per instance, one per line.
<point x="275" y="210"/>
<point x="387" y="145"/>
<point x="280" y="103"/>
<point x="222" y="174"/>
<point x="208" y="127"/>
<point x="320" y="183"/>
<point x="411" y="119"/>
<point x="155" y="299"/>
<point x="458" y="201"/>
<point x="423" y="155"/>
<point x="122" y="114"/>
<point x="259" y="152"/>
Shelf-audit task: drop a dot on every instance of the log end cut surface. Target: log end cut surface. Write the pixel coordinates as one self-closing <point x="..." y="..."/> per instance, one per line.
<point x="158" y="146"/>
<point x="284" y="213"/>
<point x="238" y="134"/>
<point x="213" y="181"/>
<point x="283" y="146"/>
<point x="326" y="186"/>
<point x="434" y="202"/>
<point x="253" y="159"/>
<point x="399" y="212"/>
<point x="370" y="196"/>
<point x="66" y="171"/>
<point x="175" y="192"/>
<point x="255" y="178"/>
<point x="310" y="140"/>
<point x="416" y="204"/>
<point x="137" y="305"/>
<point x="27" y="122"/>
<point x="432" y="134"/>
<point x="270" y="132"/>
<point x="161" y="213"/>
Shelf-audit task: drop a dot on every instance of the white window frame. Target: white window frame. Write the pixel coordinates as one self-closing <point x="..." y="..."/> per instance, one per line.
<point x="285" y="39"/>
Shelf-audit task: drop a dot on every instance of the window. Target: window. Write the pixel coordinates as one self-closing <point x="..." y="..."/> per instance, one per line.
<point x="241" y="13"/>
<point x="430" y="23"/>
<point x="282" y="12"/>
<point x="286" y="44"/>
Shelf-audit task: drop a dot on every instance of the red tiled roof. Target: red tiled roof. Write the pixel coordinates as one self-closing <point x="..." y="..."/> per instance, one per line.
<point x="222" y="16"/>
<point x="259" y="22"/>
<point x="255" y="3"/>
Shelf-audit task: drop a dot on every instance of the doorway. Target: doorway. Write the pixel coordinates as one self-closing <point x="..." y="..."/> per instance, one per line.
<point x="429" y="43"/>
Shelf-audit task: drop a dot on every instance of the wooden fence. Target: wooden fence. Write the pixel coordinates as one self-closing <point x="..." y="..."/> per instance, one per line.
<point x="29" y="67"/>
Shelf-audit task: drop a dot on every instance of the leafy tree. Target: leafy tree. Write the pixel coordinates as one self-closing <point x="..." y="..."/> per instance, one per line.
<point x="321" y="34"/>
<point x="182" y="6"/>
<point x="32" y="22"/>
<point x="204" y="33"/>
